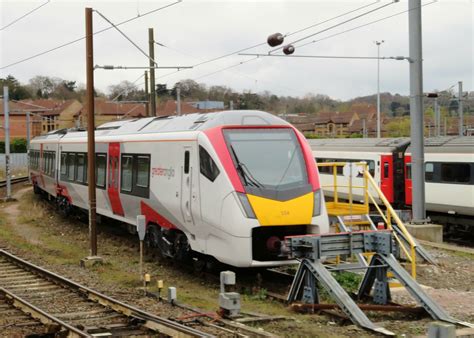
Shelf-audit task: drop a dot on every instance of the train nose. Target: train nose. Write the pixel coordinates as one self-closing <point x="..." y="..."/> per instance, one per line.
<point x="273" y="244"/>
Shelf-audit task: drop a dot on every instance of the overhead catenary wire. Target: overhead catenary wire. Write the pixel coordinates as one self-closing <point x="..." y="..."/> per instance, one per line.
<point x="264" y="43"/>
<point x="83" y="37"/>
<point x="334" y="26"/>
<point x="223" y="69"/>
<point x="126" y="37"/>
<point x="24" y="15"/>
<point x="364" y="25"/>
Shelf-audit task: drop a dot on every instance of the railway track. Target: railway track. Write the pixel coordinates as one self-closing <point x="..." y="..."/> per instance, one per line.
<point x="73" y="309"/>
<point x="15" y="323"/>
<point x="3" y="183"/>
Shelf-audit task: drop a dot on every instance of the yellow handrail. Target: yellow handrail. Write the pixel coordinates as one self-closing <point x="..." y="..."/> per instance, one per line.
<point x="389" y="215"/>
<point x="397" y="220"/>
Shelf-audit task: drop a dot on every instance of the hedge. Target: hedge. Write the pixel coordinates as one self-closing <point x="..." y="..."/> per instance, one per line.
<point x="16" y="146"/>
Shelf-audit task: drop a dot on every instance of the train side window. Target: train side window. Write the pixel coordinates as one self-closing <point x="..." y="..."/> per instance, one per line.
<point x="385" y="170"/>
<point x="101" y="167"/>
<point x="371" y="167"/>
<point x="408" y="171"/>
<point x="455" y="172"/>
<point x="207" y="165"/>
<point x="53" y="163"/>
<point x="126" y="178"/>
<point x="63" y="166"/>
<point x="429" y="172"/>
<point x="80" y="168"/>
<point x="143" y="171"/>
<point x="70" y="166"/>
<point x="186" y="162"/>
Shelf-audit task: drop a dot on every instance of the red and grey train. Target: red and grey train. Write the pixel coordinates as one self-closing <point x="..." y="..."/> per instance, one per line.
<point x="449" y="172"/>
<point x="229" y="185"/>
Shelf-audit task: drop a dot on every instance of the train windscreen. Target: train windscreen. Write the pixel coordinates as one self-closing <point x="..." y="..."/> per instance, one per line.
<point x="267" y="159"/>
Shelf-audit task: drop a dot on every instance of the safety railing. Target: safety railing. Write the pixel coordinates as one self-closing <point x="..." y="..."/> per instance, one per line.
<point x="372" y="195"/>
<point x="338" y="205"/>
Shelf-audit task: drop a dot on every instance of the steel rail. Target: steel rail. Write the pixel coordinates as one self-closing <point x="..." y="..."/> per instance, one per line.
<point x="3" y="183"/>
<point x="151" y="321"/>
<point x="43" y="316"/>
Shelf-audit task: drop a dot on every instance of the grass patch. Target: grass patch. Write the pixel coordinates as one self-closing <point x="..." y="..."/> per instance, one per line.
<point x="348" y="280"/>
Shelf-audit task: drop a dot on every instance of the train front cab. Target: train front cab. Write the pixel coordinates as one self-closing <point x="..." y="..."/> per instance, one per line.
<point x="276" y="185"/>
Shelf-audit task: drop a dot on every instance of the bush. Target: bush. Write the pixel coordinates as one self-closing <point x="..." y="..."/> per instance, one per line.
<point x="16" y="146"/>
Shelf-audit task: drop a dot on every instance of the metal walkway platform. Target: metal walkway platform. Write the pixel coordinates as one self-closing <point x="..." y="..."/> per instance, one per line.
<point x="312" y="250"/>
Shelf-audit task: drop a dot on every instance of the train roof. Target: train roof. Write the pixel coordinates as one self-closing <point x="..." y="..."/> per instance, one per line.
<point x="167" y="124"/>
<point x="443" y="144"/>
<point x="449" y="144"/>
<point x="360" y="144"/>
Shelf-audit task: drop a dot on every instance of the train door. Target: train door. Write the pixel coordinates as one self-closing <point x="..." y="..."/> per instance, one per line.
<point x="408" y="182"/>
<point x="386" y="176"/>
<point x="187" y="185"/>
<point x="113" y="179"/>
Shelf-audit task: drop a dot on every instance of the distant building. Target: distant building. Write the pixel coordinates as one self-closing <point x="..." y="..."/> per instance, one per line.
<point x="213" y="105"/>
<point x="170" y="107"/>
<point x="17" y="121"/>
<point x="107" y="111"/>
<point x="334" y="124"/>
<point x="58" y="114"/>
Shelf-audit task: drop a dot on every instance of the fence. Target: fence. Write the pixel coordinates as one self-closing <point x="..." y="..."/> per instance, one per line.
<point x="18" y="164"/>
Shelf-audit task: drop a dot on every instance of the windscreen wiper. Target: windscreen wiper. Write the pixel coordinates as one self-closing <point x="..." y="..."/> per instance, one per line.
<point x="246" y="175"/>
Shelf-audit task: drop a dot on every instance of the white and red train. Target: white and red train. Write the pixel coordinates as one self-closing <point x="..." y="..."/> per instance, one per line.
<point x="449" y="172"/>
<point x="228" y="185"/>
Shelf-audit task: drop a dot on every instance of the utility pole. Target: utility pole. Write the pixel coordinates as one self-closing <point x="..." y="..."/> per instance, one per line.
<point x="378" y="43"/>
<point x="416" y="111"/>
<point x="151" y="53"/>
<point x="436" y="117"/>
<point x="6" y="128"/>
<point x="364" y="129"/>
<point x="231" y="104"/>
<point x="178" y="99"/>
<point x="91" y="133"/>
<point x="147" y="95"/>
<point x="460" y="110"/>
<point x="28" y="140"/>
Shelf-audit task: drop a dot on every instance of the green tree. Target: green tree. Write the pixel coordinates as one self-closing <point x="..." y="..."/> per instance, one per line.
<point x="15" y="90"/>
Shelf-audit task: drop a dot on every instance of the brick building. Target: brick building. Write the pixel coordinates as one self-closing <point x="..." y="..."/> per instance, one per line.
<point x="107" y="111"/>
<point x="18" y="119"/>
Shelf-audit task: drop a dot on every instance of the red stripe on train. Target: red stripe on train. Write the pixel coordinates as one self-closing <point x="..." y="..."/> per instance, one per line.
<point x="151" y="216"/>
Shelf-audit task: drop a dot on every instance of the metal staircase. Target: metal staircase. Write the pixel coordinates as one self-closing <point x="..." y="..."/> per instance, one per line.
<point x="312" y="274"/>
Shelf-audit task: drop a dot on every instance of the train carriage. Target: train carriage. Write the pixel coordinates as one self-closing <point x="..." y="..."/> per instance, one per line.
<point x="228" y="185"/>
<point x="449" y="173"/>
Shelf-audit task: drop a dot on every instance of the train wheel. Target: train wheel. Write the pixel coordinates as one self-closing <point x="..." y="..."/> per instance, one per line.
<point x="159" y="241"/>
<point x="181" y="248"/>
<point x="64" y="206"/>
<point x="36" y="189"/>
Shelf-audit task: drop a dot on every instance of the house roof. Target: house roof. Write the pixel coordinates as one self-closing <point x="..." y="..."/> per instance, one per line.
<point x="170" y="107"/>
<point x="52" y="107"/>
<point x="117" y="108"/>
<point x="335" y="117"/>
<point x="21" y="107"/>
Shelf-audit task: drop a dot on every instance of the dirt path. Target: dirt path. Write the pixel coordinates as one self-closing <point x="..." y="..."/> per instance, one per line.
<point x="13" y="213"/>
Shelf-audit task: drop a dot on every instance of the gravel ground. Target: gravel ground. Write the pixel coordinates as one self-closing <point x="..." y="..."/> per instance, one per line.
<point x="32" y="229"/>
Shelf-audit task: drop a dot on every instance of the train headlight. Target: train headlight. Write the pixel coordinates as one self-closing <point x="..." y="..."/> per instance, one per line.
<point x="246" y="205"/>
<point x="317" y="203"/>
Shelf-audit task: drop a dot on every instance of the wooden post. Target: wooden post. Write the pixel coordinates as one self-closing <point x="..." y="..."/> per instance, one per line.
<point x="90" y="133"/>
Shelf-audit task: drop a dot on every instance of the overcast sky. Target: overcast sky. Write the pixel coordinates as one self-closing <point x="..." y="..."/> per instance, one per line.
<point x="196" y="31"/>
